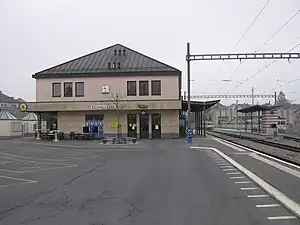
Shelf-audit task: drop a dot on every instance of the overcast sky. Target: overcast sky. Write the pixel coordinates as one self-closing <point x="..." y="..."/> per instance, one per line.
<point x="37" y="34"/>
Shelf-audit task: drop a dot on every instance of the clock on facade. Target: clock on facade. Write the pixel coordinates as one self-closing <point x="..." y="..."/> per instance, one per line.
<point x="105" y="89"/>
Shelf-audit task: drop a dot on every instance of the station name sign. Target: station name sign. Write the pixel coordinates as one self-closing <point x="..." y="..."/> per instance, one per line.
<point x="103" y="107"/>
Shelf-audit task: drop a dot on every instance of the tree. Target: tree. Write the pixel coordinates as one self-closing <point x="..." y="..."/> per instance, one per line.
<point x="281" y="99"/>
<point x="116" y="98"/>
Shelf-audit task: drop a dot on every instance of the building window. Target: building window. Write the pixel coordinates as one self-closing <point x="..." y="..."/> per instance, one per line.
<point x="155" y="87"/>
<point x="68" y="89"/>
<point x="143" y="88"/>
<point x="79" y="89"/>
<point x="131" y="88"/>
<point x="56" y="89"/>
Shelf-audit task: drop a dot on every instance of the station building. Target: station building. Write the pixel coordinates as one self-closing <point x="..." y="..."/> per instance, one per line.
<point x="115" y="84"/>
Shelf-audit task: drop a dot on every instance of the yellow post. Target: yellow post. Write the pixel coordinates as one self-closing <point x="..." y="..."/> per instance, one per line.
<point x="55" y="137"/>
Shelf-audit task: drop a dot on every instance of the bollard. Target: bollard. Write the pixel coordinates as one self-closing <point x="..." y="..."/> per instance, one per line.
<point x="55" y="137"/>
<point x="38" y="137"/>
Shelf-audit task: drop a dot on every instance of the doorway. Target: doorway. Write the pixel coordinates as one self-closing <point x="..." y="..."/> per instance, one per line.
<point x="144" y="125"/>
<point x="131" y="125"/>
<point x="156" y="125"/>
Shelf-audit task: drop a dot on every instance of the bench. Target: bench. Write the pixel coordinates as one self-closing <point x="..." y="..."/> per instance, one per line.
<point x="112" y="139"/>
<point x="126" y="139"/>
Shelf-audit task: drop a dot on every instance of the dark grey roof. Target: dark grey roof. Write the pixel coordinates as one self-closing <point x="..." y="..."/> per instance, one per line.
<point x="7" y="99"/>
<point x="97" y="63"/>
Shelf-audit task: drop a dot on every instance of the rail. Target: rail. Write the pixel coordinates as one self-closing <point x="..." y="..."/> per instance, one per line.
<point x="288" y="152"/>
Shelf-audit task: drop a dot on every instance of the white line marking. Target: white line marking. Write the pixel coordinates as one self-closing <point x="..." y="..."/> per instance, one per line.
<point x="249" y="188"/>
<point x="268" y="206"/>
<point x="10" y="185"/>
<point x="287" y="202"/>
<point x="241" y="153"/>
<point x="233" y="173"/>
<point x="224" y="143"/>
<point x="223" y="164"/>
<point x="233" y="169"/>
<point x="44" y="169"/>
<point x="260" y="153"/>
<point x="277" y="165"/>
<point x="243" y="182"/>
<point x="15" y="178"/>
<point x="238" y="177"/>
<point x="257" y="196"/>
<point x="32" y="161"/>
<point x="281" y="217"/>
<point x="224" y="167"/>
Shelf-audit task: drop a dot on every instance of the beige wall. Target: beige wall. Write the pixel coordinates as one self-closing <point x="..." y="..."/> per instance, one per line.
<point x="74" y="121"/>
<point x="92" y="88"/>
<point x="10" y="128"/>
<point x="5" y="130"/>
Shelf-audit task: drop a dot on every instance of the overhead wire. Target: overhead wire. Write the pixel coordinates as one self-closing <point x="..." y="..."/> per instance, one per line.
<point x="269" y="39"/>
<point x="283" y="26"/>
<point x="267" y="66"/>
<point x="241" y="38"/>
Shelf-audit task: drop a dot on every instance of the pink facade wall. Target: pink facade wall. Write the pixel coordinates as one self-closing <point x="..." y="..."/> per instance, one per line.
<point x="92" y="88"/>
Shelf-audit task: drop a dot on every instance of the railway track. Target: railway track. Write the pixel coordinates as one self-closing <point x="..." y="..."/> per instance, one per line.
<point x="290" y="151"/>
<point x="265" y="142"/>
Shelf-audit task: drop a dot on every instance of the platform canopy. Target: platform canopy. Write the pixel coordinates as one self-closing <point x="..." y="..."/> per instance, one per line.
<point x="6" y="116"/>
<point x="197" y="106"/>
<point x="257" y="108"/>
<point x="30" y="117"/>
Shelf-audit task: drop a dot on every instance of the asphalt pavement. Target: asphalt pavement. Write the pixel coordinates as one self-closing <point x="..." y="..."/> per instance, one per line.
<point x="154" y="182"/>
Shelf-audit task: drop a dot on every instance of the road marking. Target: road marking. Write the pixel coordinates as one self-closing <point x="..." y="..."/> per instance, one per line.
<point x="279" y="196"/>
<point x="15" y="178"/>
<point x="233" y="173"/>
<point x="248" y="188"/>
<point x="243" y="182"/>
<point x="224" y="143"/>
<point x="238" y="177"/>
<point x="281" y="217"/>
<point x="277" y="165"/>
<point x="224" y="167"/>
<point x="268" y="206"/>
<point x="10" y="185"/>
<point x="241" y="153"/>
<point x="257" y="196"/>
<point x="32" y="161"/>
<point x="223" y="164"/>
<point x="233" y="169"/>
<point x="38" y="170"/>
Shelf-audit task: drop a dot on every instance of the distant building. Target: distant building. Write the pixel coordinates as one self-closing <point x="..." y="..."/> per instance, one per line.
<point x="10" y="104"/>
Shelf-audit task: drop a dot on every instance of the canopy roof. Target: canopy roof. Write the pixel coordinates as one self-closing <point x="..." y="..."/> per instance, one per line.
<point x="6" y="116"/>
<point x="198" y="106"/>
<point x="256" y="108"/>
<point x="30" y="117"/>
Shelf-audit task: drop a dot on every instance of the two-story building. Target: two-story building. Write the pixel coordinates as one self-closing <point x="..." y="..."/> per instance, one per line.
<point x="107" y="88"/>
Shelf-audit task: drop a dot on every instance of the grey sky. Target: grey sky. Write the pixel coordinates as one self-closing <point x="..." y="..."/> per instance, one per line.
<point x="38" y="34"/>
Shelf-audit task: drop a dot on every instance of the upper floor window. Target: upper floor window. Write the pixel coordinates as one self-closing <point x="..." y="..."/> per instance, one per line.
<point x="56" y="89"/>
<point x="131" y="88"/>
<point x="155" y="87"/>
<point x="68" y="89"/>
<point x="143" y="88"/>
<point x="79" y="89"/>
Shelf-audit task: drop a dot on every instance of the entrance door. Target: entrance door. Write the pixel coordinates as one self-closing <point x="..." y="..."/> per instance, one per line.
<point x="144" y="125"/>
<point x="131" y="125"/>
<point x="156" y="126"/>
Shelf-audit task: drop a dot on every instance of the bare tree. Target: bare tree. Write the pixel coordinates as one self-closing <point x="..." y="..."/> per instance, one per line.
<point x="116" y="100"/>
